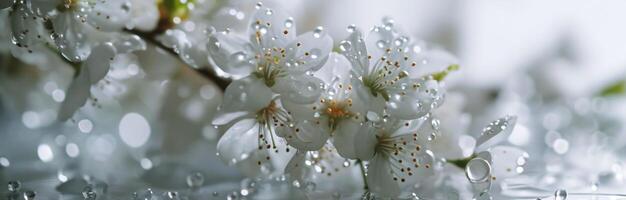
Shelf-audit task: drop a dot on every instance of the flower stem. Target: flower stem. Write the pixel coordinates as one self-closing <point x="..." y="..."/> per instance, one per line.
<point x="462" y="162"/>
<point x="365" y="185"/>
<point x="207" y="72"/>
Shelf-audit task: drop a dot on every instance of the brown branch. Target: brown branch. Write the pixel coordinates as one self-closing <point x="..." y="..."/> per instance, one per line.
<point x="206" y="71"/>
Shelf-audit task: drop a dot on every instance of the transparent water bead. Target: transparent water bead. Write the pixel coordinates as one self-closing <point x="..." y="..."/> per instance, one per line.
<point x="88" y="193"/>
<point x="483" y="196"/>
<point x="14" y="186"/>
<point x="560" y="194"/>
<point x="478" y="172"/>
<point x="317" y="33"/>
<point x="195" y="180"/>
<point x="29" y="195"/>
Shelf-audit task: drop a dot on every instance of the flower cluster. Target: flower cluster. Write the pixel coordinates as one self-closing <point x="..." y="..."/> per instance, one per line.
<point x="366" y="110"/>
<point x="369" y="101"/>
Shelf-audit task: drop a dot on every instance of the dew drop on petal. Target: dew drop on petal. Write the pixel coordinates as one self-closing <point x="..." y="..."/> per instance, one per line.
<point x="317" y="33"/>
<point x="345" y="46"/>
<point x="258" y="5"/>
<point x="289" y="22"/>
<point x="560" y="194"/>
<point x="351" y="28"/>
<point x="29" y="195"/>
<point x="478" y="170"/>
<point x="195" y="180"/>
<point x="14" y="186"/>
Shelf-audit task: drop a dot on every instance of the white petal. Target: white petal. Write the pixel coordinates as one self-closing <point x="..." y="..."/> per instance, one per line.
<point x="508" y="161"/>
<point x="301" y="89"/>
<point x="497" y="131"/>
<point x="344" y="137"/>
<point x="238" y="141"/>
<point x="380" y="178"/>
<point x="412" y="103"/>
<point x="23" y="26"/>
<point x="76" y="95"/>
<point x="355" y="51"/>
<point x="99" y="62"/>
<point x="127" y="44"/>
<point x="336" y="68"/>
<point x="42" y="7"/>
<point x="111" y="15"/>
<point x="231" y="53"/>
<point x="304" y="135"/>
<point x="301" y="111"/>
<point x="308" y="52"/>
<point x="430" y="61"/>
<point x="247" y="95"/>
<point x="377" y="42"/>
<point x="271" y="25"/>
<point x="365" y="142"/>
<point x="296" y="165"/>
<point x="70" y="37"/>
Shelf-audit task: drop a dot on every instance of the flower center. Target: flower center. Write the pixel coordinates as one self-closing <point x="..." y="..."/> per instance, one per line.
<point x="402" y="152"/>
<point x="337" y="110"/>
<point x="269" y="62"/>
<point x="384" y="75"/>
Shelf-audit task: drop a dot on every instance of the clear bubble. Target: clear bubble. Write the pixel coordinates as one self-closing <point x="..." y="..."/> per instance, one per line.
<point x="560" y="194"/>
<point x="88" y="193"/>
<point x="14" y="186"/>
<point x="289" y="22"/>
<point x="351" y="28"/>
<point x="195" y="180"/>
<point x="478" y="170"/>
<point x="317" y="33"/>
<point x="345" y="46"/>
<point x="29" y="195"/>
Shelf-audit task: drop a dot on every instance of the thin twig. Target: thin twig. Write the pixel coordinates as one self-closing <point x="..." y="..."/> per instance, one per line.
<point x="366" y="186"/>
<point x="207" y="71"/>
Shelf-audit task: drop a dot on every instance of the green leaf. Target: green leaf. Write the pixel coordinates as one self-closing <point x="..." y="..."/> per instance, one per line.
<point x="617" y="88"/>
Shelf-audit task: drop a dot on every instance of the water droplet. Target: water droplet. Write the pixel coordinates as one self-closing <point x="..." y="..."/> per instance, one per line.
<point x="317" y="33"/>
<point x="388" y="22"/>
<point x="172" y="195"/>
<point x="380" y="44"/>
<point x="195" y="180"/>
<point x="483" y="196"/>
<point x="435" y="124"/>
<point x="345" y="46"/>
<point x="432" y="136"/>
<point x="88" y="193"/>
<point x="560" y="194"/>
<point x="29" y="195"/>
<point x="296" y="183"/>
<point x="478" y="170"/>
<point x="258" y="5"/>
<point x="289" y="22"/>
<point x="14" y="186"/>
<point x="126" y="6"/>
<point x="346" y="163"/>
<point x="351" y="28"/>
<point x="244" y="192"/>
<point x="4" y="162"/>
<point x="310" y="186"/>
<point x="269" y="12"/>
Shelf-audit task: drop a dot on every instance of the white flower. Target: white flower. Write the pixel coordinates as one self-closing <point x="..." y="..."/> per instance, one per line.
<point x="324" y="169"/>
<point x="94" y="69"/>
<point x="254" y="116"/>
<point x="398" y="155"/>
<point x="274" y="55"/>
<point x="397" y="70"/>
<point x="75" y="21"/>
<point x="338" y="111"/>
